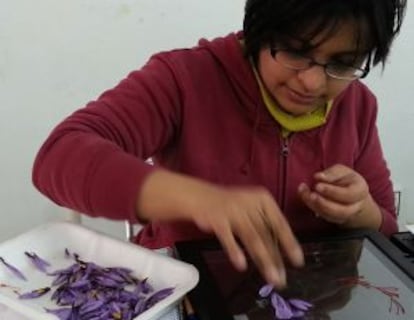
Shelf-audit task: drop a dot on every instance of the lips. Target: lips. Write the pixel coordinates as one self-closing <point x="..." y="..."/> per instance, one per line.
<point x="300" y="98"/>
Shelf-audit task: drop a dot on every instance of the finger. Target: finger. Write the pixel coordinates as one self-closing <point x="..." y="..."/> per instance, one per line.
<point x="261" y="256"/>
<point x="313" y="201"/>
<point x="344" y="195"/>
<point x="308" y="197"/>
<point x="304" y="191"/>
<point x="264" y="227"/>
<point x="333" y="211"/>
<point x="276" y="256"/>
<point x="338" y="174"/>
<point x="280" y="227"/>
<point x="225" y="235"/>
<point x="270" y="239"/>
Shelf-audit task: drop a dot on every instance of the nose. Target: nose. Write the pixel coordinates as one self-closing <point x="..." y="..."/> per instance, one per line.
<point x="313" y="79"/>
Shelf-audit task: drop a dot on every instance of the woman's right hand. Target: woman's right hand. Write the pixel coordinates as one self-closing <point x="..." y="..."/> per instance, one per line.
<point x="247" y="214"/>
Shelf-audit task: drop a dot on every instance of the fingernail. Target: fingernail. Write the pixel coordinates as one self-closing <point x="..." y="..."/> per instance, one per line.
<point x="322" y="176"/>
<point x="241" y="262"/>
<point x="282" y="276"/>
<point x="298" y="256"/>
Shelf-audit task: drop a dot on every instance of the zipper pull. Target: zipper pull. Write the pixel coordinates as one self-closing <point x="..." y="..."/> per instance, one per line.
<point x="285" y="148"/>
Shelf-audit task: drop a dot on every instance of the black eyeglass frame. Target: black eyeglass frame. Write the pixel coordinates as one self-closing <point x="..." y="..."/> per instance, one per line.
<point x="312" y="62"/>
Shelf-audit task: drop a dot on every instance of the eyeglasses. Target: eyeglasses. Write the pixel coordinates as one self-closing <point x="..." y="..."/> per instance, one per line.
<point x="296" y="61"/>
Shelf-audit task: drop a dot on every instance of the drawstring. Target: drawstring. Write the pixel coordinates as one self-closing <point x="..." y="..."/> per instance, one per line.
<point x="322" y="148"/>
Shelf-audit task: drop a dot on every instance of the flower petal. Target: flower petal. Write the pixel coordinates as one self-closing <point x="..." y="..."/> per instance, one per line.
<point x="35" y="293"/>
<point x="62" y="313"/>
<point x="266" y="290"/>
<point x="300" y="304"/>
<point x="298" y="313"/>
<point x="38" y="262"/>
<point x="281" y="306"/>
<point x="86" y="290"/>
<point x="14" y="270"/>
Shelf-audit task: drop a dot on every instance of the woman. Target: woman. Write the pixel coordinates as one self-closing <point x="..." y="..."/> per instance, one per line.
<point x="256" y="137"/>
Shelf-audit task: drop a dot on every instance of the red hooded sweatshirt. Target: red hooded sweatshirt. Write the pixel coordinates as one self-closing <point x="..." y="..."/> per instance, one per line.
<point x="200" y="112"/>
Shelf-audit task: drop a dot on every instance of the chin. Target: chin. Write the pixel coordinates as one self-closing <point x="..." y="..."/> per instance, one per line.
<point x="297" y="110"/>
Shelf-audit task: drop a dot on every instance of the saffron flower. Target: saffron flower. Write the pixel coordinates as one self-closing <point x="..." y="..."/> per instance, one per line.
<point x="284" y="308"/>
<point x="13" y="269"/>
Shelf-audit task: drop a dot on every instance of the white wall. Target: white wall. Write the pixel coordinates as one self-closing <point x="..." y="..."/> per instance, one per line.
<point x="394" y="88"/>
<point x="57" y="55"/>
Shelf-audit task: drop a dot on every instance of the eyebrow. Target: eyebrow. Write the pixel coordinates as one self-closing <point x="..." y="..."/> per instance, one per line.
<point x="353" y="55"/>
<point x="306" y="46"/>
<point x="347" y="54"/>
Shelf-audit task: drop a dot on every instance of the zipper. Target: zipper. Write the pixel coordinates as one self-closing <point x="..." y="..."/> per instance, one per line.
<point x="284" y="153"/>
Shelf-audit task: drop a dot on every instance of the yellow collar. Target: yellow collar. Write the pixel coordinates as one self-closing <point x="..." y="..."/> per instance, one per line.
<point x="291" y="123"/>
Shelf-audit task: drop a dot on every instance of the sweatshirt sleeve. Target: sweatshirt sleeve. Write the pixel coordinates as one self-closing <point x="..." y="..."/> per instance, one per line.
<point x="93" y="161"/>
<point x="373" y="167"/>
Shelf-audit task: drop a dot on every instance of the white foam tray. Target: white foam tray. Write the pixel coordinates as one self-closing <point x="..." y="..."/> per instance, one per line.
<point x="49" y="242"/>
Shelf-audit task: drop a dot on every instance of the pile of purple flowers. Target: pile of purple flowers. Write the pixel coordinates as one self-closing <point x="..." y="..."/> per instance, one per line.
<point x="284" y="308"/>
<point x="87" y="291"/>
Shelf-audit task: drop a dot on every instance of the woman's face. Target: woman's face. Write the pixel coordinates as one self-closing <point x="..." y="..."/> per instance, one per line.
<point x="301" y="92"/>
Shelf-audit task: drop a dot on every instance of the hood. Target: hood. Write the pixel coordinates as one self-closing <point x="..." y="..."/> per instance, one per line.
<point x="229" y="53"/>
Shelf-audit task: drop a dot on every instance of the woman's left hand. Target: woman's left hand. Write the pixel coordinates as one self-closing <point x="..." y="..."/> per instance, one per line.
<point x="341" y="195"/>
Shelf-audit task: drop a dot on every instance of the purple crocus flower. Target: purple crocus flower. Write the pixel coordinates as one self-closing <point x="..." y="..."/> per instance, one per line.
<point x="284" y="308"/>
<point x="13" y="269"/>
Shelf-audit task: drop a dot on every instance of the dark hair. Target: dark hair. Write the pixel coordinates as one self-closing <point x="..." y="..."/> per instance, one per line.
<point x="269" y="22"/>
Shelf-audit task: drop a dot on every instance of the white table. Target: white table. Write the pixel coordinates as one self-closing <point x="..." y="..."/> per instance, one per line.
<point x="7" y="313"/>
